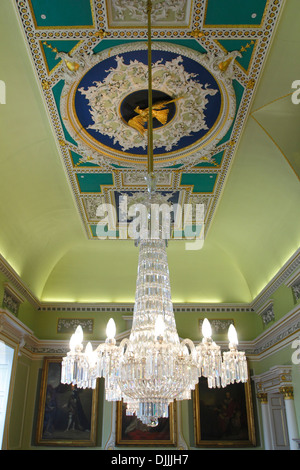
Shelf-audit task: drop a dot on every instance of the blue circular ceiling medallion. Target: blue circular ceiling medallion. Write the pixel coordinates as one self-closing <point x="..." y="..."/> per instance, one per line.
<point x="107" y="107"/>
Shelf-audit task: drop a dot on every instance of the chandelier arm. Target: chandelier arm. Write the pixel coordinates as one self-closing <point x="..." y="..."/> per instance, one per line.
<point x="123" y="345"/>
<point x="189" y="343"/>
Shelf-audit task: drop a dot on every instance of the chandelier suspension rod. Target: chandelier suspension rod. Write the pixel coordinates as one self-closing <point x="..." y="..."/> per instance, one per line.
<point x="150" y="120"/>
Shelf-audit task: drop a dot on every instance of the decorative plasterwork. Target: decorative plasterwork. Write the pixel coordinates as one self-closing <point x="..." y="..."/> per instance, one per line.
<point x="294" y="283"/>
<point x="266" y="312"/>
<point x="218" y="325"/>
<point x="274" y="379"/>
<point x="11" y="299"/>
<point x="286" y="272"/>
<point x="104" y="102"/>
<point x="124" y="76"/>
<point x="174" y="13"/>
<point x="202" y="30"/>
<point x="279" y="336"/>
<point x="11" y="327"/>
<point x="69" y="325"/>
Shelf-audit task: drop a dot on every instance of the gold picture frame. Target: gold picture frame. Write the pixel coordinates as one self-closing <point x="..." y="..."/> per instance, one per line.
<point x="223" y="417"/>
<point x="130" y="431"/>
<point x="67" y="416"/>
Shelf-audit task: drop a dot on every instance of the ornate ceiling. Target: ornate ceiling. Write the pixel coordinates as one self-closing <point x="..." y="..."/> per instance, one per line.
<point x="227" y="143"/>
<point x="91" y="60"/>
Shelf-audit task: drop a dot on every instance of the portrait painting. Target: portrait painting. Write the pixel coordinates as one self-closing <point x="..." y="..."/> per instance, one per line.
<point x="131" y="430"/>
<point x="67" y="414"/>
<point x="223" y="417"/>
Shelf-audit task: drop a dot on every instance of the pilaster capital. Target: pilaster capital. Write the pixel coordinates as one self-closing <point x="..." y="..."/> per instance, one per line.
<point x="288" y="392"/>
<point x="263" y="397"/>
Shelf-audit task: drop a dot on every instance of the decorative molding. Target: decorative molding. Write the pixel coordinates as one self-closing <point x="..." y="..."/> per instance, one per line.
<point x="218" y="325"/>
<point x="276" y="337"/>
<point x="296" y="290"/>
<point x="284" y="274"/>
<point x="69" y="325"/>
<point x="294" y="283"/>
<point x="17" y="283"/>
<point x="288" y="392"/>
<point x="135" y="12"/>
<point x="272" y="380"/>
<point x="14" y="329"/>
<point x="169" y="77"/>
<point x="262" y="397"/>
<point x="266" y="312"/>
<point x="280" y="335"/>
<point x="280" y="278"/>
<point x="126" y="307"/>
<point x="11" y="299"/>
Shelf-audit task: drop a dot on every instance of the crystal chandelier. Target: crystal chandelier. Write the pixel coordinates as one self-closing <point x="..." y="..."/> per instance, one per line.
<point x="152" y="368"/>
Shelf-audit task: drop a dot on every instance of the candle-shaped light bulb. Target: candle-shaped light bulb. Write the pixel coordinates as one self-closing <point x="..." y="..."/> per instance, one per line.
<point x="78" y="335"/>
<point x="232" y="336"/>
<point x="89" y="349"/>
<point x="111" y="329"/>
<point x="206" y="328"/>
<point x="72" y="342"/>
<point x="90" y="354"/>
<point x="159" y="327"/>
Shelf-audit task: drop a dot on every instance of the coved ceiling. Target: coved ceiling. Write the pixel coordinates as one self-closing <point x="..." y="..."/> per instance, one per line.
<point x="208" y="64"/>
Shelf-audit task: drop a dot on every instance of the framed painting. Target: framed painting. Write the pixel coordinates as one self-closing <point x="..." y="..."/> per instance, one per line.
<point x="67" y="415"/>
<point x="131" y="431"/>
<point x="223" y="417"/>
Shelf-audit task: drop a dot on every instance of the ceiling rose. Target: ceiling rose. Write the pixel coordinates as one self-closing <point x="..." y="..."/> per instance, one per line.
<point x="109" y="89"/>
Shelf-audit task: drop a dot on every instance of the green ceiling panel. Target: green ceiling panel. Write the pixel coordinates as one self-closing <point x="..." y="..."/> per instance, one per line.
<point x="235" y="12"/>
<point x="217" y="158"/>
<point x="77" y="161"/>
<point x="78" y="12"/>
<point x="245" y="47"/>
<point x="50" y="55"/>
<point x="201" y="182"/>
<point x="92" y="182"/>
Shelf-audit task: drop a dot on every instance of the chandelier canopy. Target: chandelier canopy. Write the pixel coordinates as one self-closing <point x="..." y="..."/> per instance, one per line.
<point x="153" y="367"/>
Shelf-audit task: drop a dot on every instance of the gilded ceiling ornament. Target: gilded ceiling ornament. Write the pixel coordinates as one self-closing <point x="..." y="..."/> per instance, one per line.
<point x="101" y="34"/>
<point x="197" y="34"/>
<point x="69" y="65"/>
<point x="46" y="84"/>
<point x="104" y="99"/>
<point x="159" y="111"/>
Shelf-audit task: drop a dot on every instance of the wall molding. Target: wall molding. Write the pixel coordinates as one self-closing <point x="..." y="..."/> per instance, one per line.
<point x="272" y="380"/>
<point x="277" y="337"/>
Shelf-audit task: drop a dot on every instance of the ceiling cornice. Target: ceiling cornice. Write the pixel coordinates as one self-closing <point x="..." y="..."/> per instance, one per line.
<point x="286" y="272"/>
